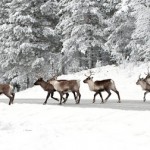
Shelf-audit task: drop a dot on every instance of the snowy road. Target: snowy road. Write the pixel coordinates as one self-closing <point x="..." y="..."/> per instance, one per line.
<point x="111" y="104"/>
<point x="28" y="125"/>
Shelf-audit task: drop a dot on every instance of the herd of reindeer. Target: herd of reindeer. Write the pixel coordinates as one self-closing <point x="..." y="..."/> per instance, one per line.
<point x="63" y="87"/>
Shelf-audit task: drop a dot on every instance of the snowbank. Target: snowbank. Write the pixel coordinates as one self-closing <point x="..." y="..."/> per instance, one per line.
<point x="125" y="77"/>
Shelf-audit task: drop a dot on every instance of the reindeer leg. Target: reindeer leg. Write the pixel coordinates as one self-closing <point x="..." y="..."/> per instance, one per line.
<point x="95" y="97"/>
<point x="144" y="99"/>
<point x="109" y="93"/>
<point x="10" y="97"/>
<point x="75" y="97"/>
<point x="79" y="95"/>
<point x="47" y="98"/>
<point x="67" y="94"/>
<point x="117" y="95"/>
<point x="13" y="95"/>
<point x="54" y="97"/>
<point x="61" y="96"/>
<point x="65" y="99"/>
<point x="101" y="97"/>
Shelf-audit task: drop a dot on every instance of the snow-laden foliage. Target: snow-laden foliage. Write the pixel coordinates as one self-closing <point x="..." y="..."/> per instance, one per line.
<point x="32" y="38"/>
<point x="130" y="32"/>
<point x="121" y="27"/>
<point x="140" y="43"/>
<point x="80" y="27"/>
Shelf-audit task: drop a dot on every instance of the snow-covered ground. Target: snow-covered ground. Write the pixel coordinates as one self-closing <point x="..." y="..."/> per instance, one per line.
<point x="29" y="125"/>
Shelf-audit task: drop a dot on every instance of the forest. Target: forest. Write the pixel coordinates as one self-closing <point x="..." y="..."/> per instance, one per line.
<point x="42" y="38"/>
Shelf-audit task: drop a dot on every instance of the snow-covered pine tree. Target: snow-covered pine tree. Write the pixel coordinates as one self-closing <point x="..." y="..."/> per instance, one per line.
<point x="81" y="27"/>
<point x="120" y="28"/>
<point x="33" y="39"/>
<point x="140" y="43"/>
<point x="4" y="33"/>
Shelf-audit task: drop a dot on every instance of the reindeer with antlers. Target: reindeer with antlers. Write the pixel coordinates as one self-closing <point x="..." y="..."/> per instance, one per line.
<point x="65" y="86"/>
<point x="145" y="86"/>
<point x="100" y="86"/>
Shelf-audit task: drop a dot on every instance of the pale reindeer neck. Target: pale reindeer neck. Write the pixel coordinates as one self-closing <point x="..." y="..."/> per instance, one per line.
<point x="143" y="85"/>
<point x="91" y="84"/>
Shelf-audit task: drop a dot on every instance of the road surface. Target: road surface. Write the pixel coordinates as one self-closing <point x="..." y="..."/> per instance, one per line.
<point x="138" y="105"/>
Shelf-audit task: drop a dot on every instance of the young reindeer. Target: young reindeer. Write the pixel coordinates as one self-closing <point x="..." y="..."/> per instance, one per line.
<point x="46" y="87"/>
<point x="65" y="86"/>
<point x="145" y="86"/>
<point x="7" y="90"/>
<point x="100" y="86"/>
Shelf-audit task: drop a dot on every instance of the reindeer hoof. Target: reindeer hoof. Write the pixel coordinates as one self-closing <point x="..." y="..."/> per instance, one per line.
<point x="77" y="102"/>
<point x="56" y="99"/>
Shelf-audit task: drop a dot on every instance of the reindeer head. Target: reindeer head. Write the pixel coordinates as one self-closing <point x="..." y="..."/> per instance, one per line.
<point x="38" y="81"/>
<point x="140" y="80"/>
<point x="88" y="77"/>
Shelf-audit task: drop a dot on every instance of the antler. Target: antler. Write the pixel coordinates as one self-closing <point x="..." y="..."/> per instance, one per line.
<point x="147" y="74"/>
<point x="90" y="74"/>
<point x="53" y="77"/>
<point x="147" y="71"/>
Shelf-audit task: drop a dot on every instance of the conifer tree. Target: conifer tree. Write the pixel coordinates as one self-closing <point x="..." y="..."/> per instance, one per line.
<point x="33" y="38"/>
<point x="81" y="24"/>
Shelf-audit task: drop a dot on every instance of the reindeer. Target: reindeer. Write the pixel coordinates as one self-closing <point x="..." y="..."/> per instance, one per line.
<point x="49" y="88"/>
<point x="145" y="86"/>
<point x="65" y="86"/>
<point x="100" y="86"/>
<point x="46" y="87"/>
<point x="7" y="90"/>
